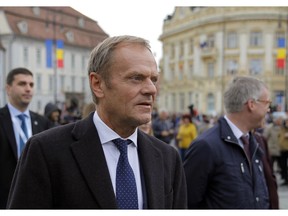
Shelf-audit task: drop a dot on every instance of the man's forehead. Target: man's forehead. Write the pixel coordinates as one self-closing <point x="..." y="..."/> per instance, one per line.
<point x="23" y="77"/>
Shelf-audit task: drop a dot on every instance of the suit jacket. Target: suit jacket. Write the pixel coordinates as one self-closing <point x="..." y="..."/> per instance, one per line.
<point x="268" y="171"/>
<point x="8" y="148"/>
<point x="65" y="168"/>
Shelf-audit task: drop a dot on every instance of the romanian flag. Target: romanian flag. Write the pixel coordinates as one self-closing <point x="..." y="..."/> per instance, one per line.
<point x="49" y="52"/>
<point x="60" y="53"/>
<point x="281" y="53"/>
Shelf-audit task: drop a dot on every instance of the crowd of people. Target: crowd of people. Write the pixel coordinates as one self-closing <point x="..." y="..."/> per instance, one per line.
<point x="123" y="153"/>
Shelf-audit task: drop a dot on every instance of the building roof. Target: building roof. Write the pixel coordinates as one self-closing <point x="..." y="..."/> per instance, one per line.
<point x="62" y="23"/>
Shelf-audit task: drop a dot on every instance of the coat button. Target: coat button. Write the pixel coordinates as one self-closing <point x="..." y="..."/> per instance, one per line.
<point x="257" y="199"/>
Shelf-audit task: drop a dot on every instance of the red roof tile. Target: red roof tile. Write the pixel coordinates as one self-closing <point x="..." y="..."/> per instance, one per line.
<point x="55" y="22"/>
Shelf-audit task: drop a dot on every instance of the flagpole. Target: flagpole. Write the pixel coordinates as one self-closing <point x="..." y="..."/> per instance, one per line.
<point x="55" y="59"/>
<point x="223" y="65"/>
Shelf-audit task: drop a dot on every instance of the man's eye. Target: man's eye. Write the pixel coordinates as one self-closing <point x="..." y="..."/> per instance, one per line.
<point x="154" y="80"/>
<point x="137" y="77"/>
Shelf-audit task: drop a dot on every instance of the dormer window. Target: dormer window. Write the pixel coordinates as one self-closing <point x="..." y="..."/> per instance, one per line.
<point x="81" y="22"/>
<point x="23" y="27"/>
<point x="36" y="11"/>
<point x="70" y="36"/>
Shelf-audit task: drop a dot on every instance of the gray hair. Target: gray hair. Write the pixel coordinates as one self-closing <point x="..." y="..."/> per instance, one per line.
<point x="240" y="90"/>
<point x="101" y="57"/>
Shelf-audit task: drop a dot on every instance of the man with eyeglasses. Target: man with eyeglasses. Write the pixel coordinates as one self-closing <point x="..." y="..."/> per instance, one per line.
<point x="224" y="170"/>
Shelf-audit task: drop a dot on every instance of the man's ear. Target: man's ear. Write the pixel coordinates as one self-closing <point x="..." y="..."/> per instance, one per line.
<point x="251" y="104"/>
<point x="96" y="84"/>
<point x="7" y="88"/>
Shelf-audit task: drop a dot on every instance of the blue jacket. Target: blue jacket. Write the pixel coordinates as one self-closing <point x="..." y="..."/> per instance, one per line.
<point x="220" y="176"/>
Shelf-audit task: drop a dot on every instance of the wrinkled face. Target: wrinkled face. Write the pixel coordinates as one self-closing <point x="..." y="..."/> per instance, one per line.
<point x="20" y="92"/>
<point x="129" y="97"/>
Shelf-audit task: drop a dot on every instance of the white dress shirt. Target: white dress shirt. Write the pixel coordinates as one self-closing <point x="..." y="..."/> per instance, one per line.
<point x="17" y="125"/>
<point x="112" y="154"/>
<point x="236" y="131"/>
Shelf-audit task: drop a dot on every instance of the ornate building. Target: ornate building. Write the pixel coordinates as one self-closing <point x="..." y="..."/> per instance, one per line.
<point x="204" y="47"/>
<point x="24" y="32"/>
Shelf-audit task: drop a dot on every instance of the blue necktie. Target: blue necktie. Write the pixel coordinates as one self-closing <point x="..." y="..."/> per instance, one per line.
<point x="24" y="128"/>
<point x="126" y="190"/>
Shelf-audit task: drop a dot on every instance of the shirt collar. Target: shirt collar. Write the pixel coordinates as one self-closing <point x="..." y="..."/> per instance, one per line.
<point x="106" y="134"/>
<point x="15" y="112"/>
<point x="236" y="131"/>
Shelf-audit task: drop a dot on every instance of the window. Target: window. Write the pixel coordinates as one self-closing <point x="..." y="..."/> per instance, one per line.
<point x="36" y="11"/>
<point x="23" y="27"/>
<point x="255" y="66"/>
<point x="84" y="84"/>
<point x="191" y="46"/>
<point x="210" y="69"/>
<point x="25" y="55"/>
<point x="73" y="83"/>
<point x="83" y="63"/>
<point x="196" y="99"/>
<point x="181" y="50"/>
<point x="190" y="97"/>
<point x="182" y="102"/>
<point x="51" y="82"/>
<point x="231" y="67"/>
<point x="62" y="82"/>
<point x="38" y="57"/>
<point x="39" y="105"/>
<point x="172" y="72"/>
<point x="191" y="71"/>
<point x="180" y="71"/>
<point x="210" y="41"/>
<point x="70" y="36"/>
<point x="173" y="97"/>
<point x="172" y="51"/>
<point x="231" y="40"/>
<point x="39" y="82"/>
<point x="210" y="103"/>
<point x="256" y="39"/>
<point x="81" y="22"/>
<point x="72" y="62"/>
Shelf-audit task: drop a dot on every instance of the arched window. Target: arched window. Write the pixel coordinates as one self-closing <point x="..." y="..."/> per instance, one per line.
<point x="210" y="103"/>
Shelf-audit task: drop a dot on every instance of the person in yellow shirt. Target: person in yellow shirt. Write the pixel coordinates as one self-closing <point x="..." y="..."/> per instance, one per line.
<point x="186" y="134"/>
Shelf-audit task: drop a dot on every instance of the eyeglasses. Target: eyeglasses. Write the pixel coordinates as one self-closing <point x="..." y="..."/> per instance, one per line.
<point x="265" y="101"/>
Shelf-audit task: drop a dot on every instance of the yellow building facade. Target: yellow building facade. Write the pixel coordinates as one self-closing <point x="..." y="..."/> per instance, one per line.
<point x="205" y="47"/>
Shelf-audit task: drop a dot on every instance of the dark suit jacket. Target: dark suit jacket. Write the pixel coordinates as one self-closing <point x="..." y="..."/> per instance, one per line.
<point x="8" y="148"/>
<point x="66" y="168"/>
<point x="268" y="171"/>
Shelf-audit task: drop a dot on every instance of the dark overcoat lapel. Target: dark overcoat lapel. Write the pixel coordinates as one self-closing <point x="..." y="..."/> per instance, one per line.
<point x="6" y="122"/>
<point x="151" y="162"/>
<point x="90" y="157"/>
